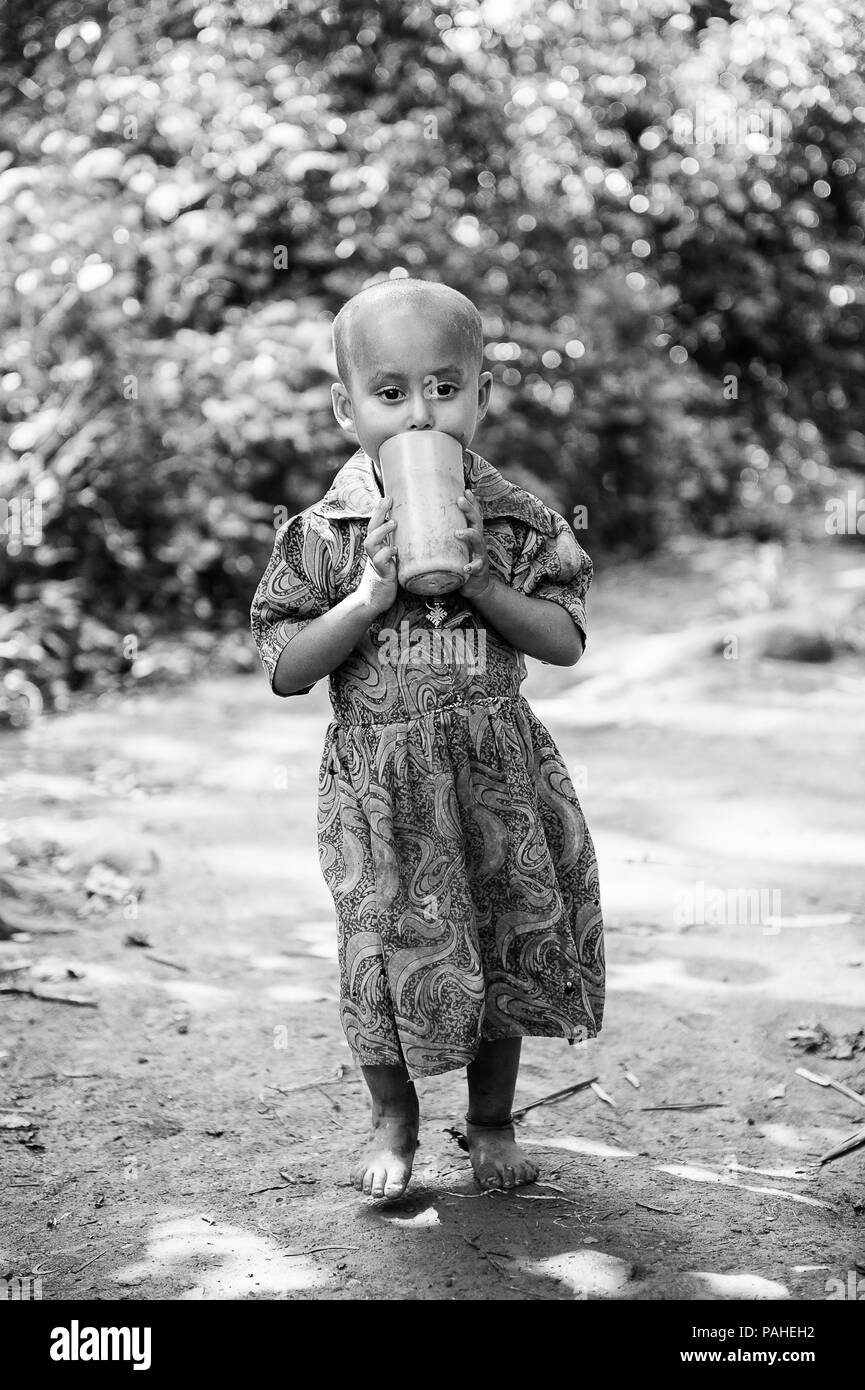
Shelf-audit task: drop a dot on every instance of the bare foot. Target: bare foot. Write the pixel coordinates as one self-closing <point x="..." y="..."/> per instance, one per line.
<point x="385" y="1167"/>
<point x="496" y="1157"/>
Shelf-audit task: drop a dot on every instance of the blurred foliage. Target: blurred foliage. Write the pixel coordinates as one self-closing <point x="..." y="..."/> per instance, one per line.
<point x="657" y="206"/>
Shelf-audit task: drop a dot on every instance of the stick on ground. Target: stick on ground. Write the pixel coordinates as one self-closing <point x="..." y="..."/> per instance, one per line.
<point x="854" y="1142"/>
<point x="554" y="1096"/>
<point x="49" y="998"/>
<point x="820" y="1080"/>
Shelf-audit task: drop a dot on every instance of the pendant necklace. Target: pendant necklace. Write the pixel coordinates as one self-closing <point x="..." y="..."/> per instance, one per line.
<point x="436" y="612"/>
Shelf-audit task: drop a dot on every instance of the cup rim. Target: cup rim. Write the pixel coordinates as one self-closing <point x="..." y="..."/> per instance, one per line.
<point x="403" y="434"/>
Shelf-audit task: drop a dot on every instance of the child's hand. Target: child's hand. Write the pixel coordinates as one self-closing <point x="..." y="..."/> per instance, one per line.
<point x="478" y="577"/>
<point x="378" y="585"/>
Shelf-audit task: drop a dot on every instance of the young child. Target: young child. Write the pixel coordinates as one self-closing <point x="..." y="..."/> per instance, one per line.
<point x="450" y="836"/>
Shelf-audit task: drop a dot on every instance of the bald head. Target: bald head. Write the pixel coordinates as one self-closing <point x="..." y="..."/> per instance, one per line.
<point x="357" y="319"/>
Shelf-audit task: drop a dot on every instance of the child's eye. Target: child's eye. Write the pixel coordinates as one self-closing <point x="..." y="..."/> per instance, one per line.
<point x="391" y="394"/>
<point x="446" y="389"/>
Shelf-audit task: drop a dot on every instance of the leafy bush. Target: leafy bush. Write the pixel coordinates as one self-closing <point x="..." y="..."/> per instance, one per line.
<point x="188" y="191"/>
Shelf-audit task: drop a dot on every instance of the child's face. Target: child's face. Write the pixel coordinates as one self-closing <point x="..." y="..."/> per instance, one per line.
<point x="410" y="371"/>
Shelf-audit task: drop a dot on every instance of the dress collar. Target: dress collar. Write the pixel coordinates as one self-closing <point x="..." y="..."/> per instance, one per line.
<point x="354" y="493"/>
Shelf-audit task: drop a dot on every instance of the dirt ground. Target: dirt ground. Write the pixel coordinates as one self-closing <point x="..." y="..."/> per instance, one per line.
<point x="189" y="1137"/>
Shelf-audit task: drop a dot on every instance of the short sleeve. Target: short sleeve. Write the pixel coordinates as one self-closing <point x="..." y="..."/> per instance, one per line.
<point x="292" y="592"/>
<point x="555" y="567"/>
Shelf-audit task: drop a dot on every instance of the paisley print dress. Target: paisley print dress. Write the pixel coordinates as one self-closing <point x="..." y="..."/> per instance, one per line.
<point x="449" y="833"/>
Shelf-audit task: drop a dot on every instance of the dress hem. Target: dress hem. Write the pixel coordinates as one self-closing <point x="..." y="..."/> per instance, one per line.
<point x="416" y="1074"/>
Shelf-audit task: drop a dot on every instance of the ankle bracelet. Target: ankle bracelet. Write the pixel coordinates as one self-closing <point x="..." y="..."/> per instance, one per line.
<point x="490" y="1124"/>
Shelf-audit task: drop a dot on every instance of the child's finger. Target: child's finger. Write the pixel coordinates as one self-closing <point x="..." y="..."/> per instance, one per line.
<point x="469" y="503"/>
<point x="383" y="559"/>
<point x="380" y="511"/>
<point x="376" y="536"/>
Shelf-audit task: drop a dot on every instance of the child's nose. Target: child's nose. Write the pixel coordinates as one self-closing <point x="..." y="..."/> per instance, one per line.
<point x="421" y="412"/>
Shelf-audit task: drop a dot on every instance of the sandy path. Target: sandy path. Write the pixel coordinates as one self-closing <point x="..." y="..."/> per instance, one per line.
<point x="155" y="1116"/>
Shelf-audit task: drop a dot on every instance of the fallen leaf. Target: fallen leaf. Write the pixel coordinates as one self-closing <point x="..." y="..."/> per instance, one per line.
<point x="695" y="1174"/>
<point x="602" y="1094"/>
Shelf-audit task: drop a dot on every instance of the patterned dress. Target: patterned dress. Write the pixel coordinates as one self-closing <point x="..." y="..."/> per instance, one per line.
<point x="450" y="836"/>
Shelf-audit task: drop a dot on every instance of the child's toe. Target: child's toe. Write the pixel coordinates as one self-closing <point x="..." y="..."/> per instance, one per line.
<point x="379" y="1181"/>
<point x="395" y="1185"/>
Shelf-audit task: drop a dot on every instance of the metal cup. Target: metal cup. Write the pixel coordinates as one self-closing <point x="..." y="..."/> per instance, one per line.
<point x="422" y="471"/>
